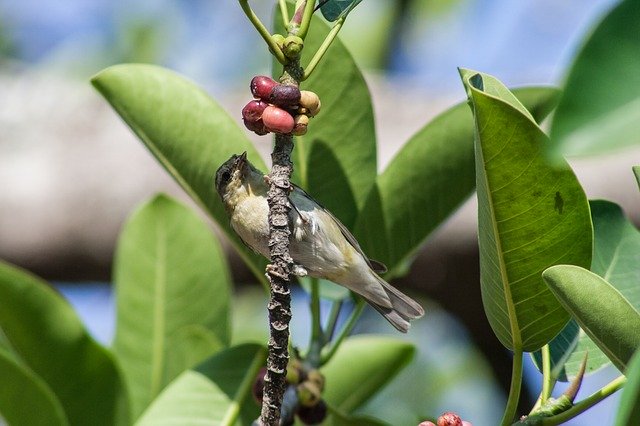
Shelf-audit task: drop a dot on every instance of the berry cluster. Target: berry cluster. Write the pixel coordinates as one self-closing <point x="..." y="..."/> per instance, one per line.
<point x="279" y="108"/>
<point x="308" y="385"/>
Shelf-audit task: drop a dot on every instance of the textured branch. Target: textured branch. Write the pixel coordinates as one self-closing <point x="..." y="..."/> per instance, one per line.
<point x="279" y="270"/>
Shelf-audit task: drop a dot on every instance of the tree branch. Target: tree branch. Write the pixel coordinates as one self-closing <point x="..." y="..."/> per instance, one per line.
<point x="279" y="270"/>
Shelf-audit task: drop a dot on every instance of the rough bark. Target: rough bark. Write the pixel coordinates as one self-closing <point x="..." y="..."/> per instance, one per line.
<point x="279" y="270"/>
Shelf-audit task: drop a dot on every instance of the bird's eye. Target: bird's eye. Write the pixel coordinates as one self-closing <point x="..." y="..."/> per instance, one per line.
<point x="225" y="177"/>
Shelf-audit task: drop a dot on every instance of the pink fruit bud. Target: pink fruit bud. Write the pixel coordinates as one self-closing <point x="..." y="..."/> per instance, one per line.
<point x="284" y="95"/>
<point x="261" y="86"/>
<point x="427" y="423"/>
<point x="253" y="110"/>
<point x="277" y="120"/>
<point x="449" y="419"/>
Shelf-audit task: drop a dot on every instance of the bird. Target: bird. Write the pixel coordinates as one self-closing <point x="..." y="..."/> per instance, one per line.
<point x="320" y="245"/>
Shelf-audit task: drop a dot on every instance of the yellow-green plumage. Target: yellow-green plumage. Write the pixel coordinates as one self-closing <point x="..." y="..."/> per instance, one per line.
<point x="320" y="245"/>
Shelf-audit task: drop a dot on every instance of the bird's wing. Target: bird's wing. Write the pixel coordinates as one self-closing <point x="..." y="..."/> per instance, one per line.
<point x="376" y="266"/>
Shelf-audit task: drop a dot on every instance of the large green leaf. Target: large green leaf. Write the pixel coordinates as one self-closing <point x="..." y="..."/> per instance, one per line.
<point x="602" y="312"/>
<point x="531" y="215"/>
<point x="172" y="296"/>
<point x="49" y="338"/>
<point x="629" y="409"/>
<point x="337" y="418"/>
<point x="427" y="180"/>
<point x="336" y="160"/>
<point x="186" y="130"/>
<point x="218" y="392"/>
<point x="361" y="366"/>
<point x="616" y="258"/>
<point x="600" y="107"/>
<point x="25" y="399"/>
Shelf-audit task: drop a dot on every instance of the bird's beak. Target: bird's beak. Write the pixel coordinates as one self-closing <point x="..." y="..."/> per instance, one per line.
<point x="241" y="161"/>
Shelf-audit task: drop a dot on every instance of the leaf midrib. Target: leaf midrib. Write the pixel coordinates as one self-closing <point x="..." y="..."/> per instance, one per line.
<point x="159" y="324"/>
<point x="513" y="320"/>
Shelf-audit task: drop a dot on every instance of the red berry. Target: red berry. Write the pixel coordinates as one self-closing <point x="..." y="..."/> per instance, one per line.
<point x="284" y="95"/>
<point x="257" y="127"/>
<point x="449" y="419"/>
<point x="261" y="86"/>
<point x="253" y="110"/>
<point x="277" y="120"/>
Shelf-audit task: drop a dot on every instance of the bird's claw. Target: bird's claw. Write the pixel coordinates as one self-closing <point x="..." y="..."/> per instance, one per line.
<point x="299" y="270"/>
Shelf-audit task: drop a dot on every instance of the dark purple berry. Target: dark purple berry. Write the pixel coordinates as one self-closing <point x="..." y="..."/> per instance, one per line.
<point x="313" y="415"/>
<point x="261" y="86"/>
<point x="257" y="127"/>
<point x="258" y="385"/>
<point x="253" y="110"/>
<point x="284" y="95"/>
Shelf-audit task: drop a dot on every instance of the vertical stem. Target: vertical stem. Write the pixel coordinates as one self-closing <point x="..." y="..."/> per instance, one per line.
<point x="346" y="329"/>
<point x="317" y="336"/>
<point x="306" y="18"/>
<point x="547" y="379"/>
<point x="284" y="12"/>
<point x="336" y="307"/>
<point x="514" y="391"/>
<point x="279" y="270"/>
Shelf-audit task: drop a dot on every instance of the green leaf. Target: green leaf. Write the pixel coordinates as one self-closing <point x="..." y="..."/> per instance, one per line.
<point x="333" y="9"/>
<point x="172" y="296"/>
<point x="218" y="391"/>
<point x="48" y="337"/>
<point x="336" y="160"/>
<point x="25" y="399"/>
<point x="629" y="409"/>
<point x="361" y="366"/>
<point x="600" y="108"/>
<point x="636" y="171"/>
<point x="602" y="312"/>
<point x="186" y="130"/>
<point x="531" y="215"/>
<point x="336" y="418"/>
<point x="616" y="258"/>
<point x="426" y="181"/>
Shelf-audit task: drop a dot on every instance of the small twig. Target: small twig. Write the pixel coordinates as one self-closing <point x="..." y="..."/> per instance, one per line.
<point x="547" y="379"/>
<point x="262" y="30"/>
<point x="306" y="19"/>
<point x="284" y="12"/>
<point x="323" y="48"/>
<point x="346" y="330"/>
<point x="586" y="403"/>
<point x="317" y="337"/>
<point x="334" y="314"/>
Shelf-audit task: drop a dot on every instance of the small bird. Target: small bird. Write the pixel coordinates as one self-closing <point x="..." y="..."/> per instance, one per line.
<point x="320" y="245"/>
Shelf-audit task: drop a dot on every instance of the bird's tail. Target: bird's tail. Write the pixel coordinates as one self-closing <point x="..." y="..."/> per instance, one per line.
<point x="403" y="310"/>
